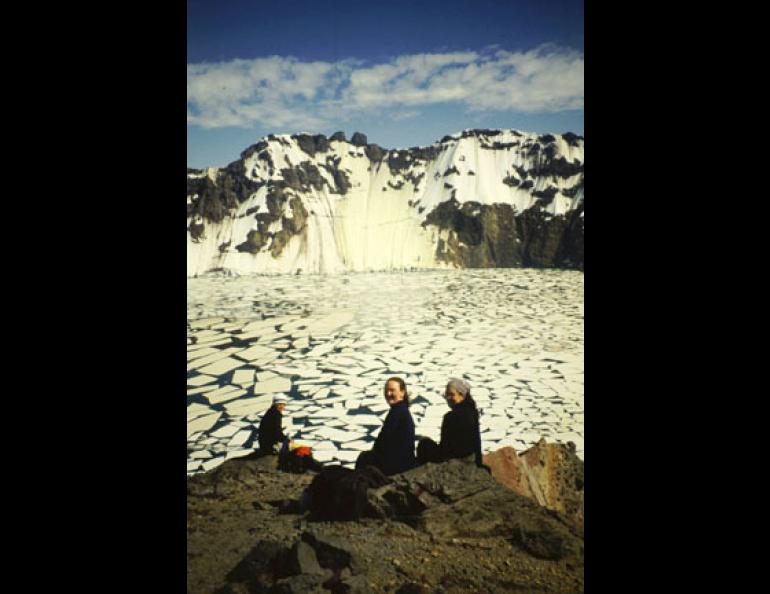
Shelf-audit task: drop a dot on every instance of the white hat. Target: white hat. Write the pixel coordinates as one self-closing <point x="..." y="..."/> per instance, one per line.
<point x="280" y="399"/>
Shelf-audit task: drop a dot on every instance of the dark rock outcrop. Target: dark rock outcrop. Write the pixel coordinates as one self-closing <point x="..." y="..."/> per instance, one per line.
<point x="425" y="153"/>
<point x="551" y="241"/>
<point x="534" y="149"/>
<point x="558" y="167"/>
<point x="523" y="173"/>
<point x="485" y="236"/>
<point x="476" y="132"/>
<point x="341" y="181"/>
<point x="448" y="527"/>
<point x="216" y="198"/>
<point x="572" y="192"/>
<point x="452" y="170"/>
<point x="572" y="139"/>
<point x="375" y="152"/>
<point x="302" y="178"/>
<point x="255" y="241"/>
<point x="254" y="148"/>
<point x="312" y="144"/>
<point x="397" y="161"/>
<point x="546" y="196"/>
<point x="358" y="139"/>
<point x="197" y="231"/>
<point x="415" y="179"/>
<point x="496" y="146"/>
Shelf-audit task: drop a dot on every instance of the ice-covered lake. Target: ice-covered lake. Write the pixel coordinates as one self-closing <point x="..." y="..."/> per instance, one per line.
<point x="330" y="342"/>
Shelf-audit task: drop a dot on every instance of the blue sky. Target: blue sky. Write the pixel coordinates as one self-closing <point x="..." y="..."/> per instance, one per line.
<point x="403" y="73"/>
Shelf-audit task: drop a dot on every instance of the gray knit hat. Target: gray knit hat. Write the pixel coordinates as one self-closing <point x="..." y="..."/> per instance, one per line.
<point x="460" y="386"/>
<point x="280" y="399"/>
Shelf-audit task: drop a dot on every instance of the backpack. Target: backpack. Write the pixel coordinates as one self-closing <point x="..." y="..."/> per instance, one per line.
<point x="296" y="460"/>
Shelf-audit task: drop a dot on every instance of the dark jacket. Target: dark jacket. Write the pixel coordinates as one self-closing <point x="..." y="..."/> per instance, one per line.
<point x="394" y="446"/>
<point x="270" y="431"/>
<point x="460" y="434"/>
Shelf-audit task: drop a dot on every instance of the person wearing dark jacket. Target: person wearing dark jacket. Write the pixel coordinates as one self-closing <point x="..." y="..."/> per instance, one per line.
<point x="393" y="450"/>
<point x="270" y="430"/>
<point x="460" y="433"/>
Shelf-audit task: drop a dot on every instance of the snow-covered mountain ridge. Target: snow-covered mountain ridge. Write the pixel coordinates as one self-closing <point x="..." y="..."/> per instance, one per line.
<point x="478" y="198"/>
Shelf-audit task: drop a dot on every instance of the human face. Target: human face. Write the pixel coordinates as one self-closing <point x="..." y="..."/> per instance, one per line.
<point x="393" y="392"/>
<point x="453" y="397"/>
<point x="280" y="406"/>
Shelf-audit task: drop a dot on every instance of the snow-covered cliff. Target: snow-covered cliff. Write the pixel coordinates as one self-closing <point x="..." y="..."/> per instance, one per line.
<point x="306" y="203"/>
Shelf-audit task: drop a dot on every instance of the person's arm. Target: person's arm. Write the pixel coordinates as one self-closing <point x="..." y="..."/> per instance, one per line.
<point x="402" y="440"/>
<point x="410" y="434"/>
<point x="383" y="437"/>
<point x="477" y="445"/>
<point x="264" y="431"/>
<point x="397" y="453"/>
<point x="409" y="440"/>
<point x="278" y="427"/>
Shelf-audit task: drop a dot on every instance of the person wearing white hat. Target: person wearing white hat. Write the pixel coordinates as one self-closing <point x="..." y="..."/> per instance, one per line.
<point x="270" y="430"/>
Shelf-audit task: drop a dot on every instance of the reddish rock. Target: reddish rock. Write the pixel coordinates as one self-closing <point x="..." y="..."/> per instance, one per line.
<point x="509" y="469"/>
<point x="549" y="473"/>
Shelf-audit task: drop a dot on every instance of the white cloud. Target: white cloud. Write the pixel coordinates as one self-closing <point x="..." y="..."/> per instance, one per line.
<point x="405" y="115"/>
<point x="285" y="92"/>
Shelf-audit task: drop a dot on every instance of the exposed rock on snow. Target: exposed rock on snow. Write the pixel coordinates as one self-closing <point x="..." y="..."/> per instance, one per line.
<point x="305" y="203"/>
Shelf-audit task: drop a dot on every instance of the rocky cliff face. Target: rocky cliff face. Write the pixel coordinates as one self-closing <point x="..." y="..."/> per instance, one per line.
<point x="439" y="529"/>
<point x="480" y="198"/>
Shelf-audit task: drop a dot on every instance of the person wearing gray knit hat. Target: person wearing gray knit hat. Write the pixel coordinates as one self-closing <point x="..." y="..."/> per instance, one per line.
<point x="460" y="386"/>
<point x="460" y="433"/>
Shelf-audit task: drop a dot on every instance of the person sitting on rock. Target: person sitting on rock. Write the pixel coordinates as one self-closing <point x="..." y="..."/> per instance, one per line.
<point x="393" y="450"/>
<point x="270" y="430"/>
<point x="460" y="434"/>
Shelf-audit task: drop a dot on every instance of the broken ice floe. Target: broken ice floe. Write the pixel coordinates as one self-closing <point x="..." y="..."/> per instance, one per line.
<point x="248" y="406"/>
<point x="272" y="385"/>
<point x="255" y="352"/>
<point x="521" y="350"/>
<point x="240" y="438"/>
<point x="243" y="377"/>
<point x="213" y="463"/>
<point x="239" y="453"/>
<point x="203" y="423"/>
<point x="224" y="394"/>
